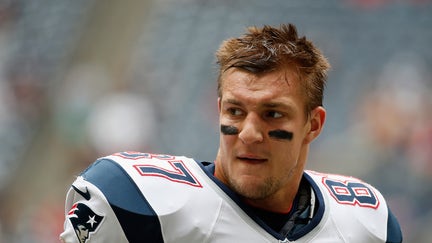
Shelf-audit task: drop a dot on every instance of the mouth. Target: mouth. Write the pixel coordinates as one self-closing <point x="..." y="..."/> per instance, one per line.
<point x="251" y="159"/>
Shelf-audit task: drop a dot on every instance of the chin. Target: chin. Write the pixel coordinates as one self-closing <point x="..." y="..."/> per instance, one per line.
<point x="253" y="187"/>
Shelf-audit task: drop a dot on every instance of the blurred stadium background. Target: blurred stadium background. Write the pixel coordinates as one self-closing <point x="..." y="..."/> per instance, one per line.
<point x="84" y="78"/>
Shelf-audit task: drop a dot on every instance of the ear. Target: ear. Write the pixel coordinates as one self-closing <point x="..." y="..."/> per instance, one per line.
<point x="316" y="123"/>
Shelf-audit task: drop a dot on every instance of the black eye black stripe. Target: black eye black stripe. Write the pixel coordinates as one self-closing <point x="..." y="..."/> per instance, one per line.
<point x="281" y="134"/>
<point x="229" y="130"/>
<point x="278" y="134"/>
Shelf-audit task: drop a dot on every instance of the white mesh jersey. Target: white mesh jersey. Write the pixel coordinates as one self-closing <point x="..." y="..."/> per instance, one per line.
<point x="142" y="197"/>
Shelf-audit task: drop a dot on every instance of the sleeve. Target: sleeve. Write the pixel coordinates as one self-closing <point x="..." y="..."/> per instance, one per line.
<point x="105" y="205"/>
<point x="89" y="217"/>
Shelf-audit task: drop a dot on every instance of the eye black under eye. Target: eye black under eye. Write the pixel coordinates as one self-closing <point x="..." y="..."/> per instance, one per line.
<point x="281" y="134"/>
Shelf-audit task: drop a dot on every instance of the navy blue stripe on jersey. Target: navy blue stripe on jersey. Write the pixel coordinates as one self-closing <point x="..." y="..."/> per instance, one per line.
<point x="394" y="234"/>
<point x="137" y="218"/>
<point x="319" y="211"/>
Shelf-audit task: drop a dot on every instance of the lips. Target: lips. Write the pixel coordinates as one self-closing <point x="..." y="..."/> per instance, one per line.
<point x="251" y="158"/>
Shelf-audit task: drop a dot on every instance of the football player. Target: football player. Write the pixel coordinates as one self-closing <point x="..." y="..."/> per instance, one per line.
<point x="270" y="92"/>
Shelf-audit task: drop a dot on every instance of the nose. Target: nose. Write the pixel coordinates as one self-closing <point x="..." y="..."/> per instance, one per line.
<point x="251" y="131"/>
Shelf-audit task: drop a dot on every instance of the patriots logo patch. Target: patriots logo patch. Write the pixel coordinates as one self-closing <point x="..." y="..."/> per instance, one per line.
<point x="84" y="221"/>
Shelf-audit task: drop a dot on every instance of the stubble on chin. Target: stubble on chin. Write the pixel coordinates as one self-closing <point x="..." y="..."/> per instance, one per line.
<point x="254" y="189"/>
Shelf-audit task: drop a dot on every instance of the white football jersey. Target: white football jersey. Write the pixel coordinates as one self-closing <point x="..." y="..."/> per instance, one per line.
<point x="141" y="197"/>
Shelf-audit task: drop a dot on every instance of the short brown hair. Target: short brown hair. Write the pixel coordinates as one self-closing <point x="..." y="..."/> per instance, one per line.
<point x="268" y="48"/>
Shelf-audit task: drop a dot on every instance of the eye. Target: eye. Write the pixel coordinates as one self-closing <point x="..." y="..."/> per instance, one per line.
<point x="235" y="111"/>
<point x="273" y="114"/>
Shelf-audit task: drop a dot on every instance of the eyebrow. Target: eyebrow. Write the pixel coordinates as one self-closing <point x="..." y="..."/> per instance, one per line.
<point x="276" y="104"/>
<point x="233" y="102"/>
<point x="266" y="105"/>
<point x="280" y="106"/>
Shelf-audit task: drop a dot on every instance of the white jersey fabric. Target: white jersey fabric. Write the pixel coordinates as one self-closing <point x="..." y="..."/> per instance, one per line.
<point x="141" y="197"/>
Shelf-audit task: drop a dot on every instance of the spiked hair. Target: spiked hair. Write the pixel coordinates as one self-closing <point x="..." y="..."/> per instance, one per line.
<point x="268" y="49"/>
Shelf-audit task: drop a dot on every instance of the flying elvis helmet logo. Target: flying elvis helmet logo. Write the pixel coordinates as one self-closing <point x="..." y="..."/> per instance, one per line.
<point x="84" y="221"/>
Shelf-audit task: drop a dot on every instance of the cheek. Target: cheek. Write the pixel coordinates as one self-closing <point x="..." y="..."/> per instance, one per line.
<point x="287" y="153"/>
<point x="226" y="142"/>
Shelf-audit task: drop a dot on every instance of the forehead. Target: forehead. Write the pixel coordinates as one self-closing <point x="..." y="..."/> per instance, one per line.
<point x="276" y="85"/>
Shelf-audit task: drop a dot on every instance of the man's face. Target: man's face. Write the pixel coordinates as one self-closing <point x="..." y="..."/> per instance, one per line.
<point x="264" y="133"/>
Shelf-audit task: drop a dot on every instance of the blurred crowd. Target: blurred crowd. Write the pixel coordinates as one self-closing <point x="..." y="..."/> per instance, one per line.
<point x="82" y="79"/>
<point x="388" y="142"/>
